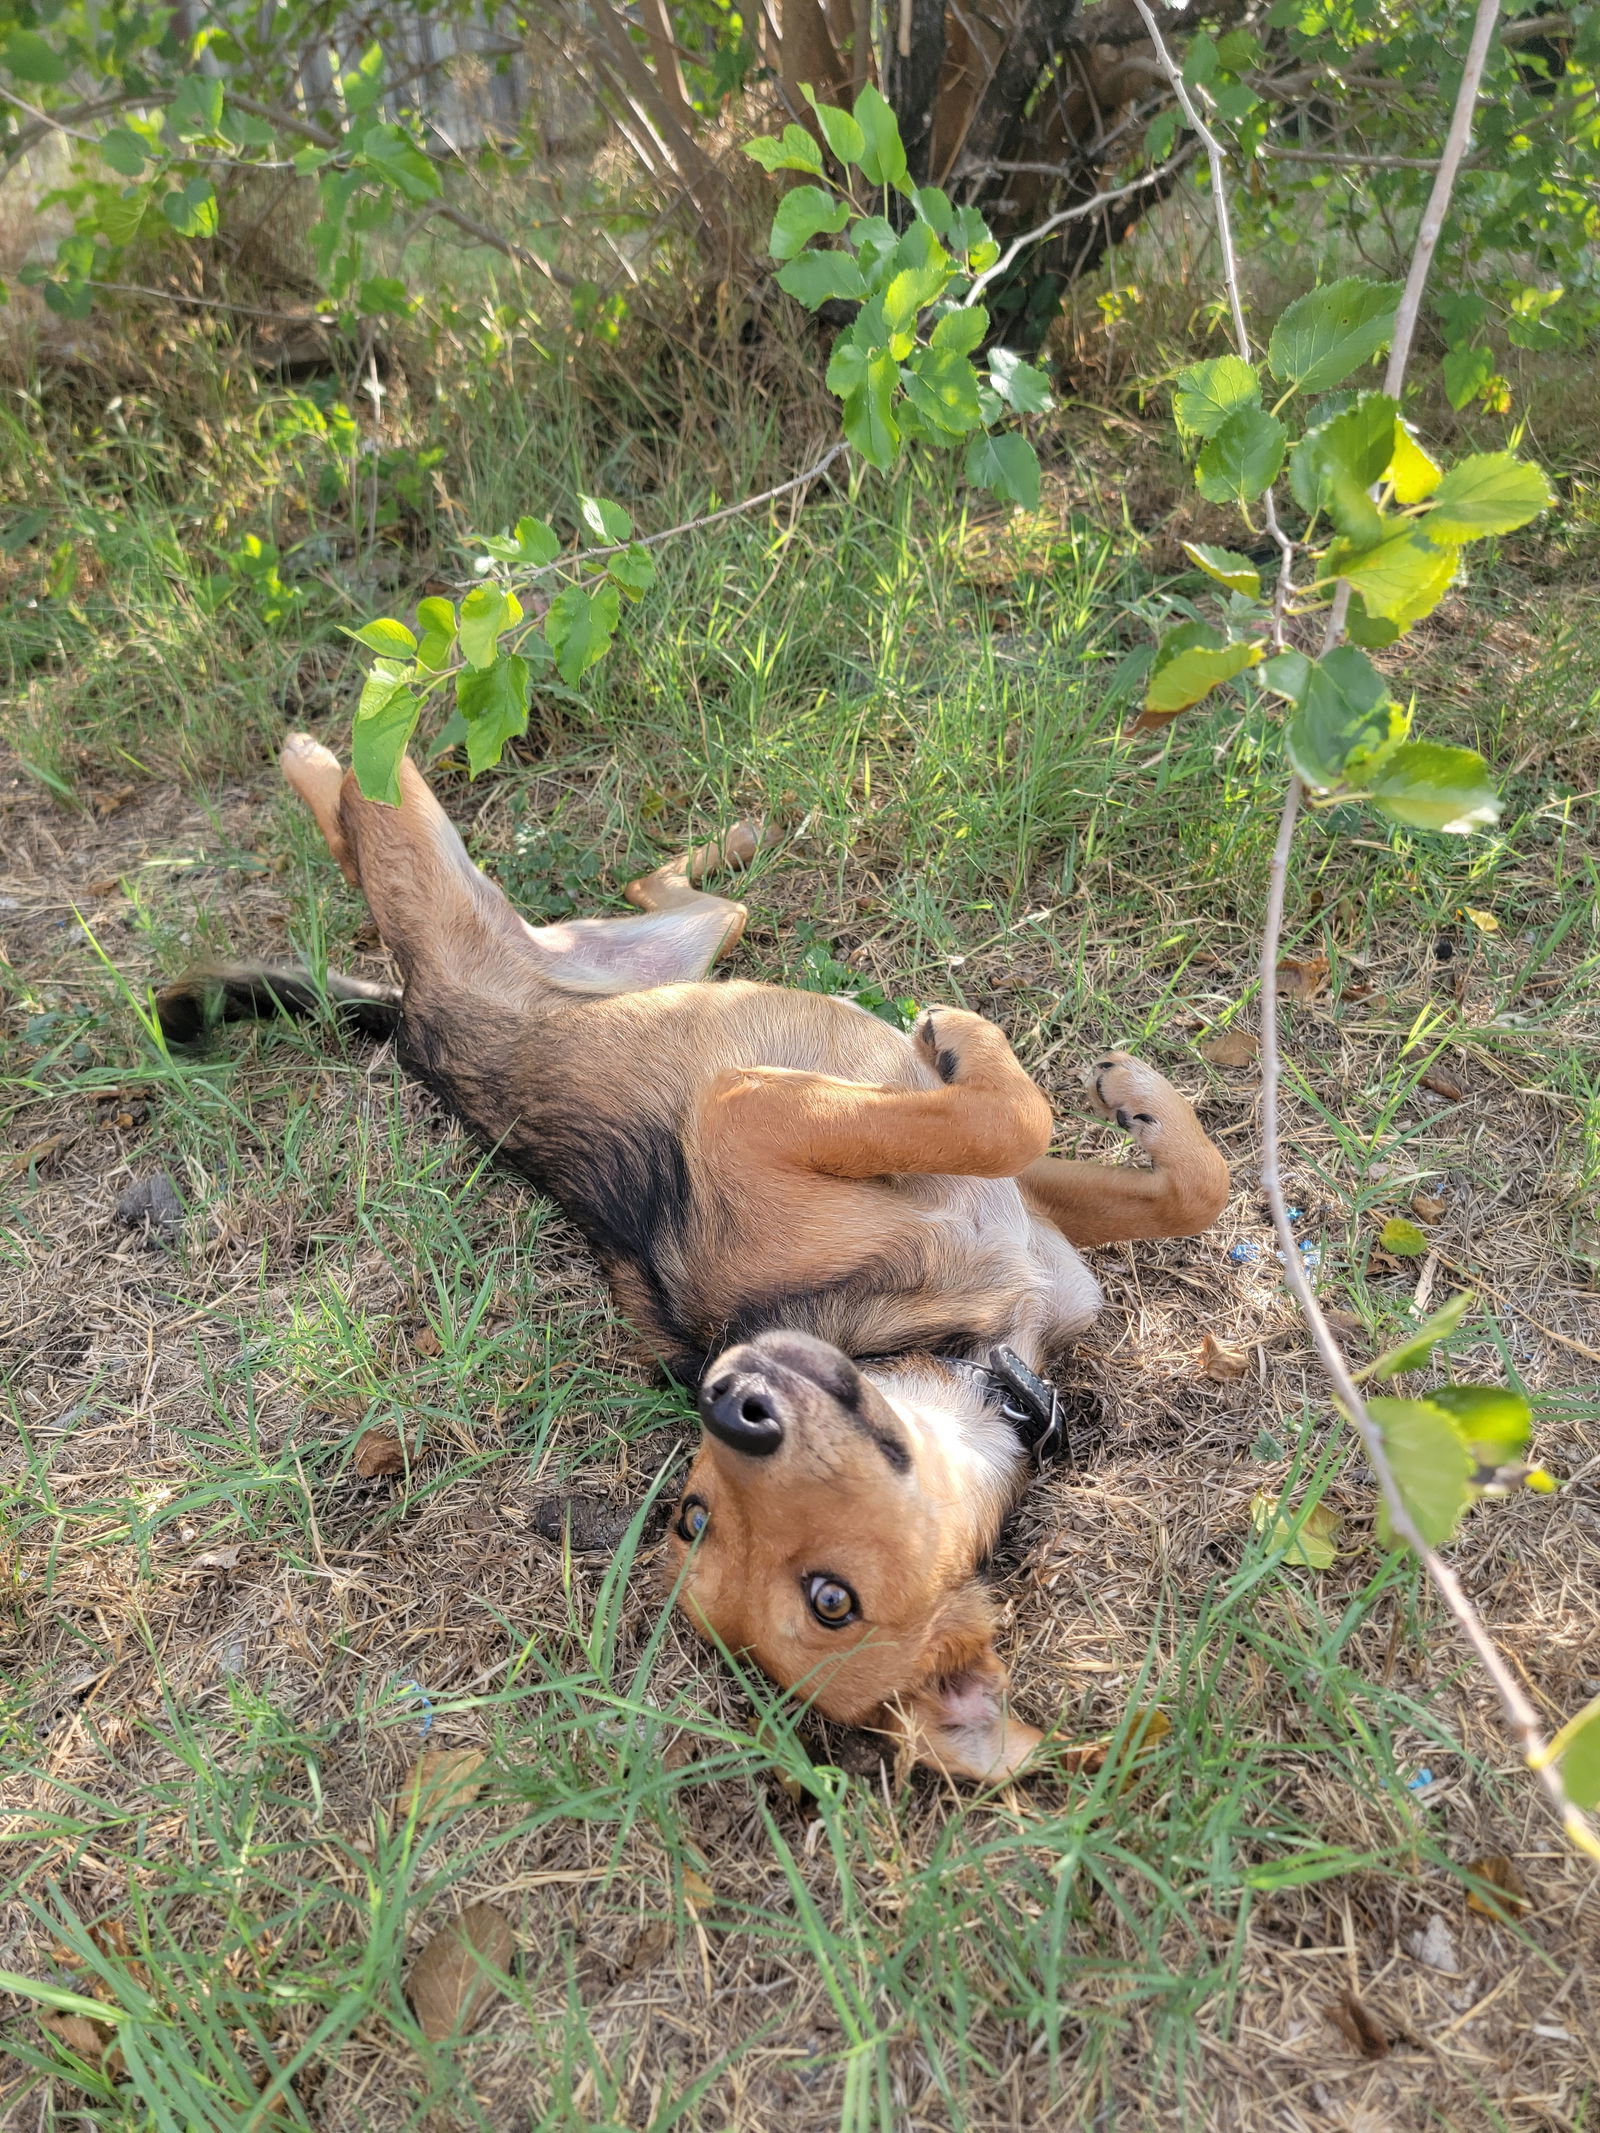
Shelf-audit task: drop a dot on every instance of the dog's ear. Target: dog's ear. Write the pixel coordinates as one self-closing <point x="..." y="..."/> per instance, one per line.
<point x="959" y="1717"/>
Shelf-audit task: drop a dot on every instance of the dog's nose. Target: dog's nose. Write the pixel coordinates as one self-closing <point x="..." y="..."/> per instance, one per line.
<point x="741" y="1411"/>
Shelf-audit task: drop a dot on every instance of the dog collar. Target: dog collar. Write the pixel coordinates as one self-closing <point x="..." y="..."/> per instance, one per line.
<point x="1030" y="1403"/>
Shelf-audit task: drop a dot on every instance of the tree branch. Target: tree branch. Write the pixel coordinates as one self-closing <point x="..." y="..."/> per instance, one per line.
<point x="1520" y="1714"/>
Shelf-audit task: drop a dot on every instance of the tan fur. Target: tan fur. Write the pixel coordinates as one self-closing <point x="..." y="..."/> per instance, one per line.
<point x="784" y="1171"/>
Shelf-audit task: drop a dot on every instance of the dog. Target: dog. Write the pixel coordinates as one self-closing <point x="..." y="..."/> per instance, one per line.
<point x="851" y="1239"/>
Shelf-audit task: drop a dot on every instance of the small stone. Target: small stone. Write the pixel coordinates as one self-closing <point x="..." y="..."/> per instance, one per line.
<point x="152" y="1205"/>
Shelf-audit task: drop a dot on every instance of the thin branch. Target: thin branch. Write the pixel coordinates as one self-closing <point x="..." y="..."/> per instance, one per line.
<point x="1344" y="160"/>
<point x="1230" y="271"/>
<point x="1052" y="223"/>
<point x="1523" y="1719"/>
<point x="214" y="303"/>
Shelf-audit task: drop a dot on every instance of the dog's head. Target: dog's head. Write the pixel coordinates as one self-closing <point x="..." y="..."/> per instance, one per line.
<point x="831" y="1535"/>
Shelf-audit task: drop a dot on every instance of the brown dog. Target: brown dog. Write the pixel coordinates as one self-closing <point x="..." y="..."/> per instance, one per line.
<point x="852" y="1240"/>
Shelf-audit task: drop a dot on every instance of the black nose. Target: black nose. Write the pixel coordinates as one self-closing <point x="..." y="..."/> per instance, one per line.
<point x="737" y="1408"/>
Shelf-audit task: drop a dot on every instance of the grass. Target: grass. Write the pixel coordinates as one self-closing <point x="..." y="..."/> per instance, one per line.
<point x="223" y="1648"/>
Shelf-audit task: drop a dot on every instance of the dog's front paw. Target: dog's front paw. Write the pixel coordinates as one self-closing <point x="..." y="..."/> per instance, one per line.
<point x="947" y="1036"/>
<point x="1122" y="1088"/>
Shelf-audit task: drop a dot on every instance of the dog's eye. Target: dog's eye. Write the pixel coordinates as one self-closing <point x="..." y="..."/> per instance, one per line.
<point x="692" y="1518"/>
<point x="832" y="1601"/>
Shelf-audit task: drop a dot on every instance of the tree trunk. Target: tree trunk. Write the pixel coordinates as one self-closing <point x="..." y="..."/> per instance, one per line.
<point x="912" y="68"/>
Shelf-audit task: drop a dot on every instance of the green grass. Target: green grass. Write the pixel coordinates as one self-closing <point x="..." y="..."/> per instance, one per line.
<point x="757" y="1924"/>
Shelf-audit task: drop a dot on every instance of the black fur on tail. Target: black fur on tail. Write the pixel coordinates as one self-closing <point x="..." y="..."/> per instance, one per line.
<point x="200" y="999"/>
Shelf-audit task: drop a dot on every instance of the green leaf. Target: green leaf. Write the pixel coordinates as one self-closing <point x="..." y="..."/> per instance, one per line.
<point x="960" y="331"/>
<point x="817" y="278"/>
<point x="1433" y="787"/>
<point x="385" y="295"/>
<point x="124" y="151"/>
<point x="882" y="157"/>
<point x="847" y="367"/>
<point x="494" y="703"/>
<point x="1008" y="467"/>
<point x="27" y="57"/>
<point x="911" y="290"/>
<point x="122" y="218"/>
<point x="1305" y="1538"/>
<point x="579" y="628"/>
<point x="1242" y="459"/>
<point x="1412" y="474"/>
<point x="1187" y="667"/>
<point x="1466" y="372"/>
<point x="1338" y="461"/>
<point x="1414" y="1351"/>
<point x="387" y="636"/>
<point x="1237" y="572"/>
<point x="1495" y="1423"/>
<point x="1321" y="339"/>
<point x="944" y="386"/>
<point x="192" y="212"/>
<point x="796" y="150"/>
<point x="1366" y="630"/>
<point x="869" y="422"/>
<point x="604" y="521"/>
<point x="485" y="612"/>
<point x="437" y="619"/>
<point x="634" y="570"/>
<point x="839" y="129"/>
<point x="1432" y="1467"/>
<point x="537" y="543"/>
<point x="391" y="154"/>
<point x="1576" y="1753"/>
<point x="803" y="213"/>
<point x="935" y="209"/>
<point x="1490" y="493"/>
<point x="1206" y="394"/>
<point x="1403" y="1238"/>
<point x="197" y="107"/>
<point x="1019" y="384"/>
<point x="1287" y="674"/>
<point x="1403" y="579"/>
<point x="1343" y="709"/>
<point x="386" y="718"/>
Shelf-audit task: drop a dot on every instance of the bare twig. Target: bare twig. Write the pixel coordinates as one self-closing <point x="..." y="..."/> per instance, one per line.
<point x="1230" y="270"/>
<point x="1077" y="213"/>
<point x="1520" y="1714"/>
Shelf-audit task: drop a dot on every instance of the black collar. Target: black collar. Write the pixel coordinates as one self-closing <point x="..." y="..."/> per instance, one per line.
<point x="1031" y="1404"/>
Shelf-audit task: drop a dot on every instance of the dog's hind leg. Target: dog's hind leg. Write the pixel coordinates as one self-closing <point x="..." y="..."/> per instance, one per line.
<point x="1182" y="1193"/>
<point x="449" y="927"/>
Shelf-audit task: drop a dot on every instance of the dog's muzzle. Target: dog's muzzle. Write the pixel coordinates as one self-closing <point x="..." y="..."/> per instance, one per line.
<point x="738" y="1410"/>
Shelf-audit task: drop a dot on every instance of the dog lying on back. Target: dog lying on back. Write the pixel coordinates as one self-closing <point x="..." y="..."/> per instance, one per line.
<point x="850" y="1239"/>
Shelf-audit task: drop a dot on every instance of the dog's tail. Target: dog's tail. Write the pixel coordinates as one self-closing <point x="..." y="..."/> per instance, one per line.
<point x="254" y="992"/>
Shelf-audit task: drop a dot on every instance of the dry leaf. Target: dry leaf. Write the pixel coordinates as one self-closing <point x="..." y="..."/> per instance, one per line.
<point x="650" y="1944"/>
<point x="378" y="1451"/>
<point x="95" y="2043"/>
<point x="1359" y="2025"/>
<point x="1234" y="1048"/>
<point x="454" y="1974"/>
<point x="1219" y="1361"/>
<point x="1511" y="1897"/>
<point x="1302" y="981"/>
<point x="107" y="885"/>
<point x="442" y="1779"/>
<point x="1148" y="1727"/>
<point x="1425" y="1207"/>
<point x="1309" y="1542"/>
<point x="427" y="1342"/>
<point x="1442" y="1085"/>
<point x="1434" y="1946"/>
<point x="698" y="1893"/>
<point x="221" y="1558"/>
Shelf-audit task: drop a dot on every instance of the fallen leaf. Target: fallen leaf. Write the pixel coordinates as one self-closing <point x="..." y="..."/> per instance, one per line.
<point x="1148" y="1727"/>
<point x="1507" y="1895"/>
<point x="455" y="1973"/>
<point x="95" y="2043"/>
<point x="1442" y="1085"/>
<point x="221" y="1558"/>
<point x="698" y="1893"/>
<point x="649" y="1945"/>
<point x="1434" y="1947"/>
<point x="1219" y="1361"/>
<point x="1345" y="1322"/>
<point x="1358" y="2025"/>
<point x="378" y="1451"/>
<point x="107" y="803"/>
<point x="427" y="1342"/>
<point x="1302" y="981"/>
<point x="1485" y="921"/>
<point x="1313" y="1546"/>
<point x="1234" y="1048"/>
<point x="442" y="1779"/>
<point x="1402" y="1238"/>
<point x="107" y="885"/>
<point x="1425" y="1207"/>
